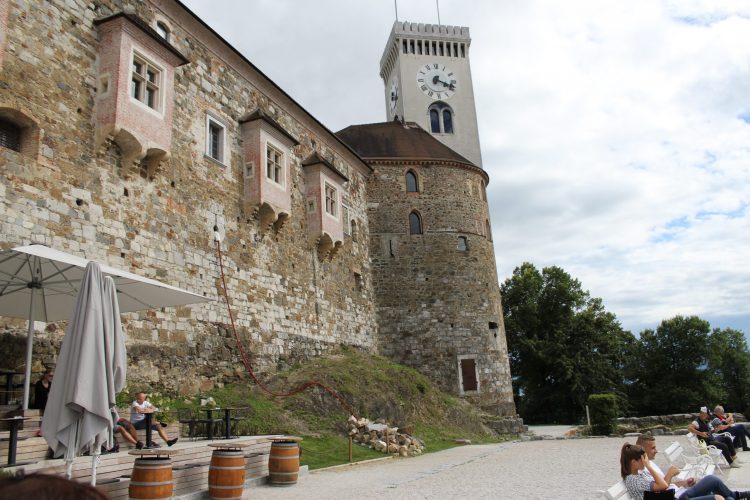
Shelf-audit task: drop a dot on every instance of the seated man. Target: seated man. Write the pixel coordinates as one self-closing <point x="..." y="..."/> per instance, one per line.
<point x="722" y="423"/>
<point x="138" y="411"/>
<point x="703" y="430"/>
<point x="686" y="488"/>
<point x="126" y="429"/>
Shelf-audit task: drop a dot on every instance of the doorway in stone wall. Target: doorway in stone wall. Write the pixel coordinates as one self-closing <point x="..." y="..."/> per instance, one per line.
<point x="467" y="374"/>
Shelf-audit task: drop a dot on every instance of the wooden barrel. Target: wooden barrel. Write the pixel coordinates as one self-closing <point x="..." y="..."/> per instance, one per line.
<point x="283" y="463"/>
<point x="151" y="478"/>
<point x="226" y="474"/>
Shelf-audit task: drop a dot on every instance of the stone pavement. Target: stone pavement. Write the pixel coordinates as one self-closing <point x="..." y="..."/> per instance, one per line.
<point x="549" y="468"/>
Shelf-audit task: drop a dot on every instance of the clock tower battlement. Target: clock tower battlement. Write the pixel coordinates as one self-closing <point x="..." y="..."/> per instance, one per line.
<point x="427" y="76"/>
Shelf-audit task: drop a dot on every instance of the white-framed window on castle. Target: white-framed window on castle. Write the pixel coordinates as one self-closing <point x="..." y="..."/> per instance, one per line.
<point x="463" y="244"/>
<point x="441" y="118"/>
<point x="145" y="82"/>
<point x="415" y="223"/>
<point x="331" y="200"/>
<point x="274" y="164"/>
<point x="412" y="186"/>
<point x="468" y="375"/>
<point x="215" y="139"/>
<point x="345" y="220"/>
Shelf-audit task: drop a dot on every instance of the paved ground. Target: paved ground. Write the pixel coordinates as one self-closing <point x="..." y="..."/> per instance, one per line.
<point x="553" y="468"/>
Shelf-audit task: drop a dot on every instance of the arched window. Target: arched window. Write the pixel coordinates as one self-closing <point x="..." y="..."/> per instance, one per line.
<point x="163" y="30"/>
<point x="411" y="182"/>
<point x="488" y="229"/>
<point x="415" y="223"/>
<point x="441" y="118"/>
<point x="435" y="121"/>
<point x="447" y="121"/>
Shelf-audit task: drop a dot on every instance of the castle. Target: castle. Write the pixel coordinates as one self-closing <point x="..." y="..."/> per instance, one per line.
<point x="130" y="129"/>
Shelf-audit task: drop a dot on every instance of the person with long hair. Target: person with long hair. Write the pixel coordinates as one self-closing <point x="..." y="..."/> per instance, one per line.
<point x="641" y="478"/>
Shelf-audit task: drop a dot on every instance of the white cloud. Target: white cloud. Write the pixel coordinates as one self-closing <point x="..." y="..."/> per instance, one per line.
<point x="611" y="130"/>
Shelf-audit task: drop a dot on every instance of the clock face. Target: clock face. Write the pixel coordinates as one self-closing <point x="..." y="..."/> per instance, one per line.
<point x="436" y="81"/>
<point x="394" y="95"/>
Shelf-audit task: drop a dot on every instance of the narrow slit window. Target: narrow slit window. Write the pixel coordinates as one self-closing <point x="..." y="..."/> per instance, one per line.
<point x="411" y="182"/>
<point x="415" y="223"/>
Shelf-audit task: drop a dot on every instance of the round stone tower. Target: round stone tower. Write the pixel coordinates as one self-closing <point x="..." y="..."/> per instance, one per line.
<point x="434" y="273"/>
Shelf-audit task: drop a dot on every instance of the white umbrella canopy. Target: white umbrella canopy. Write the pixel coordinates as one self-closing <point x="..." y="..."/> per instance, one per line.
<point x="90" y="372"/>
<point x="41" y="284"/>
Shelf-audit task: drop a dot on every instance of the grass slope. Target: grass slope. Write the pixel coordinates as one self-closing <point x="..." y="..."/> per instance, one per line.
<point x="374" y="386"/>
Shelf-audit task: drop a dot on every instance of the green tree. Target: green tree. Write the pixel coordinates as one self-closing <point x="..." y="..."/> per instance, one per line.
<point x="729" y="360"/>
<point x="673" y="374"/>
<point x="563" y="345"/>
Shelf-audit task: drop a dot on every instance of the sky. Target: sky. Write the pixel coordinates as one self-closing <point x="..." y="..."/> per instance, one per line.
<point x="616" y="134"/>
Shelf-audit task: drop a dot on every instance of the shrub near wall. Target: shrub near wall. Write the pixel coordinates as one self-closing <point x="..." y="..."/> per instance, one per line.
<point x="603" y="413"/>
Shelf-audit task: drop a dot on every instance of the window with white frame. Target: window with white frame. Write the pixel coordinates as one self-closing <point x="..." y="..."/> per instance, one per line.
<point x="274" y="164"/>
<point x="331" y="200"/>
<point x="215" y="137"/>
<point x="145" y="82"/>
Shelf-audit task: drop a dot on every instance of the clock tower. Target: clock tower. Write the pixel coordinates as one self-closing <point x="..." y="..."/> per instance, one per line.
<point x="427" y="77"/>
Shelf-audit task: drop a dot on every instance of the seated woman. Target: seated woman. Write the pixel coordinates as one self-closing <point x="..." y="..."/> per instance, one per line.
<point x="640" y="477"/>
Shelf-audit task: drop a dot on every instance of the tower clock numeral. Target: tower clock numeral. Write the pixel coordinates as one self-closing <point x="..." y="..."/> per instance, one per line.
<point x="436" y="65"/>
<point x="423" y="87"/>
<point x="438" y="95"/>
<point x="427" y="67"/>
<point x="430" y="93"/>
<point x="420" y="80"/>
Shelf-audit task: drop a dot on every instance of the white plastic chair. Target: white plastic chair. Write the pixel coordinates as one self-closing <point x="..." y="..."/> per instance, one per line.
<point x="702" y="448"/>
<point x="617" y="491"/>
<point x="690" y="466"/>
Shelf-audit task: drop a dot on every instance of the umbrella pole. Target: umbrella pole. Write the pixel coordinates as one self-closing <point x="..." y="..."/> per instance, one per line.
<point x="94" y="461"/>
<point x="29" y="348"/>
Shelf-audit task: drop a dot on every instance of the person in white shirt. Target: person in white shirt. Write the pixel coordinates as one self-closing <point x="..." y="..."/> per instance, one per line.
<point x="138" y="411"/>
<point x="709" y="487"/>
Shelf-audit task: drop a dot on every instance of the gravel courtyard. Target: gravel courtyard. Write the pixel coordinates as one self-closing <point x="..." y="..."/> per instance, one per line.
<point x="549" y="468"/>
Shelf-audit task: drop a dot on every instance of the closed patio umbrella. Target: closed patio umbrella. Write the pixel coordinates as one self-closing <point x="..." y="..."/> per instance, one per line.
<point x="41" y="284"/>
<point x="90" y="372"/>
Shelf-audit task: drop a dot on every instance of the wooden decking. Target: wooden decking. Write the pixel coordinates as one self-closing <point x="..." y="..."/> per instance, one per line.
<point x="190" y="460"/>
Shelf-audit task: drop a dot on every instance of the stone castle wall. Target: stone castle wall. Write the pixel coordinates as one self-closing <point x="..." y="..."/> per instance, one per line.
<point x="80" y="198"/>
<point x="416" y="299"/>
<point x="437" y="303"/>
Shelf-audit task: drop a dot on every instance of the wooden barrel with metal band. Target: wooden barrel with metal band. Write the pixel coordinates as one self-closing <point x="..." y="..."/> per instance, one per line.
<point x="226" y="474"/>
<point x="283" y="462"/>
<point x="151" y="479"/>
